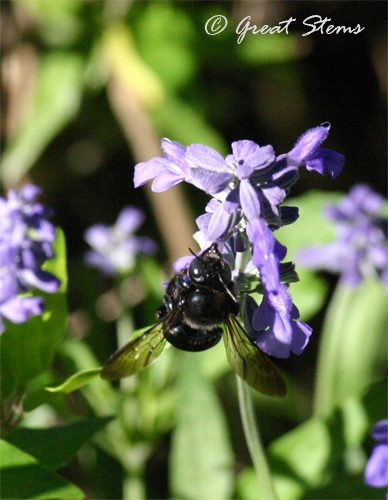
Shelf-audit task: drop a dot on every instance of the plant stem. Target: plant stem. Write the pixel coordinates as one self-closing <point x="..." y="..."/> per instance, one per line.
<point x="134" y="465"/>
<point x="253" y="440"/>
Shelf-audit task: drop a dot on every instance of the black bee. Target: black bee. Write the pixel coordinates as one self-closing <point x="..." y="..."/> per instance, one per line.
<point x="197" y="301"/>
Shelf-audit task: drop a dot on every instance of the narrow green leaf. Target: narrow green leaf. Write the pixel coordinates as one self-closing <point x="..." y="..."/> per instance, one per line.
<point x="201" y="460"/>
<point x="76" y="381"/>
<point x="56" y="101"/>
<point x="22" y="477"/>
<point x="55" y="447"/>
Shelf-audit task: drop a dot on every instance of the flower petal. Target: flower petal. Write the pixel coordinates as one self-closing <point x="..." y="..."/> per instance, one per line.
<point x="19" y="309"/>
<point x="42" y="280"/>
<point x="175" y="153"/>
<point x="376" y="471"/>
<point x="206" y="157"/>
<point x="219" y="224"/>
<point x="249" y="200"/>
<point x="129" y="219"/>
<point x="165" y="180"/>
<point x="183" y="263"/>
<point x="264" y="256"/>
<point x="326" y="160"/>
<point x="252" y="154"/>
<point x="98" y="236"/>
<point x="208" y="181"/>
<point x="307" y="144"/>
<point x="147" y="170"/>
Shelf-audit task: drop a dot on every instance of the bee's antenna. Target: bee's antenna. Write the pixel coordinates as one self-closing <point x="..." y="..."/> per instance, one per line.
<point x="195" y="254"/>
<point x="226" y="288"/>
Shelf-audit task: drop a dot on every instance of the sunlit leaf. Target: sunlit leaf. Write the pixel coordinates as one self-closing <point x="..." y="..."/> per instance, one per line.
<point x="128" y="69"/>
<point x="76" y="381"/>
<point x="171" y="53"/>
<point x="304" y="452"/>
<point x="274" y="49"/>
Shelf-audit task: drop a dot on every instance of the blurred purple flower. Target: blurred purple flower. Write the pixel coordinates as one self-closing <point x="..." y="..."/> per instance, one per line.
<point x="360" y="248"/>
<point x="376" y="471"/>
<point x="26" y="238"/>
<point x="115" y="248"/>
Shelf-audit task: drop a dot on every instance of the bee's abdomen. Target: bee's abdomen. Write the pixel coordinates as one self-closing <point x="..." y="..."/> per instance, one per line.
<point x="205" y="308"/>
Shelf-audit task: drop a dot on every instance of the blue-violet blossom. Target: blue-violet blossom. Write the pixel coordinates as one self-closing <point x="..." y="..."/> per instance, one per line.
<point x="360" y="249"/>
<point x="376" y="471"/>
<point x="26" y="238"/>
<point x="115" y="248"/>
<point x="248" y="187"/>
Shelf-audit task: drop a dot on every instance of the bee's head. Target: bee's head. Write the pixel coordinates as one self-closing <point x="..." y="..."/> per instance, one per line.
<point x="210" y="269"/>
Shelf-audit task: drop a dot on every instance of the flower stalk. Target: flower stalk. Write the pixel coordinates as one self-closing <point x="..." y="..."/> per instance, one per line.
<point x="253" y="440"/>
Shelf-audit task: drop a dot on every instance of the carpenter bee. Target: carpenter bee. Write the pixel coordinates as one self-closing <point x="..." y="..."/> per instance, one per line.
<point x="197" y="301"/>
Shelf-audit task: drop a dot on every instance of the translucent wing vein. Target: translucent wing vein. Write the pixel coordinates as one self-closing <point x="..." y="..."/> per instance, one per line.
<point x="136" y="355"/>
<point x="250" y="363"/>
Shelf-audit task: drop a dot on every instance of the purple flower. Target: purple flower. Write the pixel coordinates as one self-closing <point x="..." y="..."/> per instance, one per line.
<point x="360" y="248"/>
<point x="115" y="248"/>
<point x="307" y="152"/>
<point x="273" y="325"/>
<point x="167" y="171"/>
<point x="376" y="471"/>
<point x="26" y="238"/>
<point x="248" y="187"/>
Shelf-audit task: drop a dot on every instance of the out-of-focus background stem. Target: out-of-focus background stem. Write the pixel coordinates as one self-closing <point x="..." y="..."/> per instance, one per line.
<point x="171" y="210"/>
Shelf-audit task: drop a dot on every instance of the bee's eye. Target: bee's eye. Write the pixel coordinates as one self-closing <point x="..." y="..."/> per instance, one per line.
<point x="197" y="274"/>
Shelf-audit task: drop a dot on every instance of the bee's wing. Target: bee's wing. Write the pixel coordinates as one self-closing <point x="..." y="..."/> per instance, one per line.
<point x="136" y="355"/>
<point x="250" y="363"/>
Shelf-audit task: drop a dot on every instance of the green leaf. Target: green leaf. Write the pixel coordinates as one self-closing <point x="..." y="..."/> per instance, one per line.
<point x="351" y="343"/>
<point x="22" y="477"/>
<point x="27" y="349"/>
<point x="274" y="49"/>
<point x="201" y="459"/>
<point x="304" y="452"/>
<point x="76" y="381"/>
<point x="99" y="393"/>
<point x="195" y="126"/>
<point x="56" y="100"/>
<point x="312" y="227"/>
<point x="286" y="487"/>
<point x="309" y="293"/>
<point x="55" y="447"/>
<point x="170" y="53"/>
